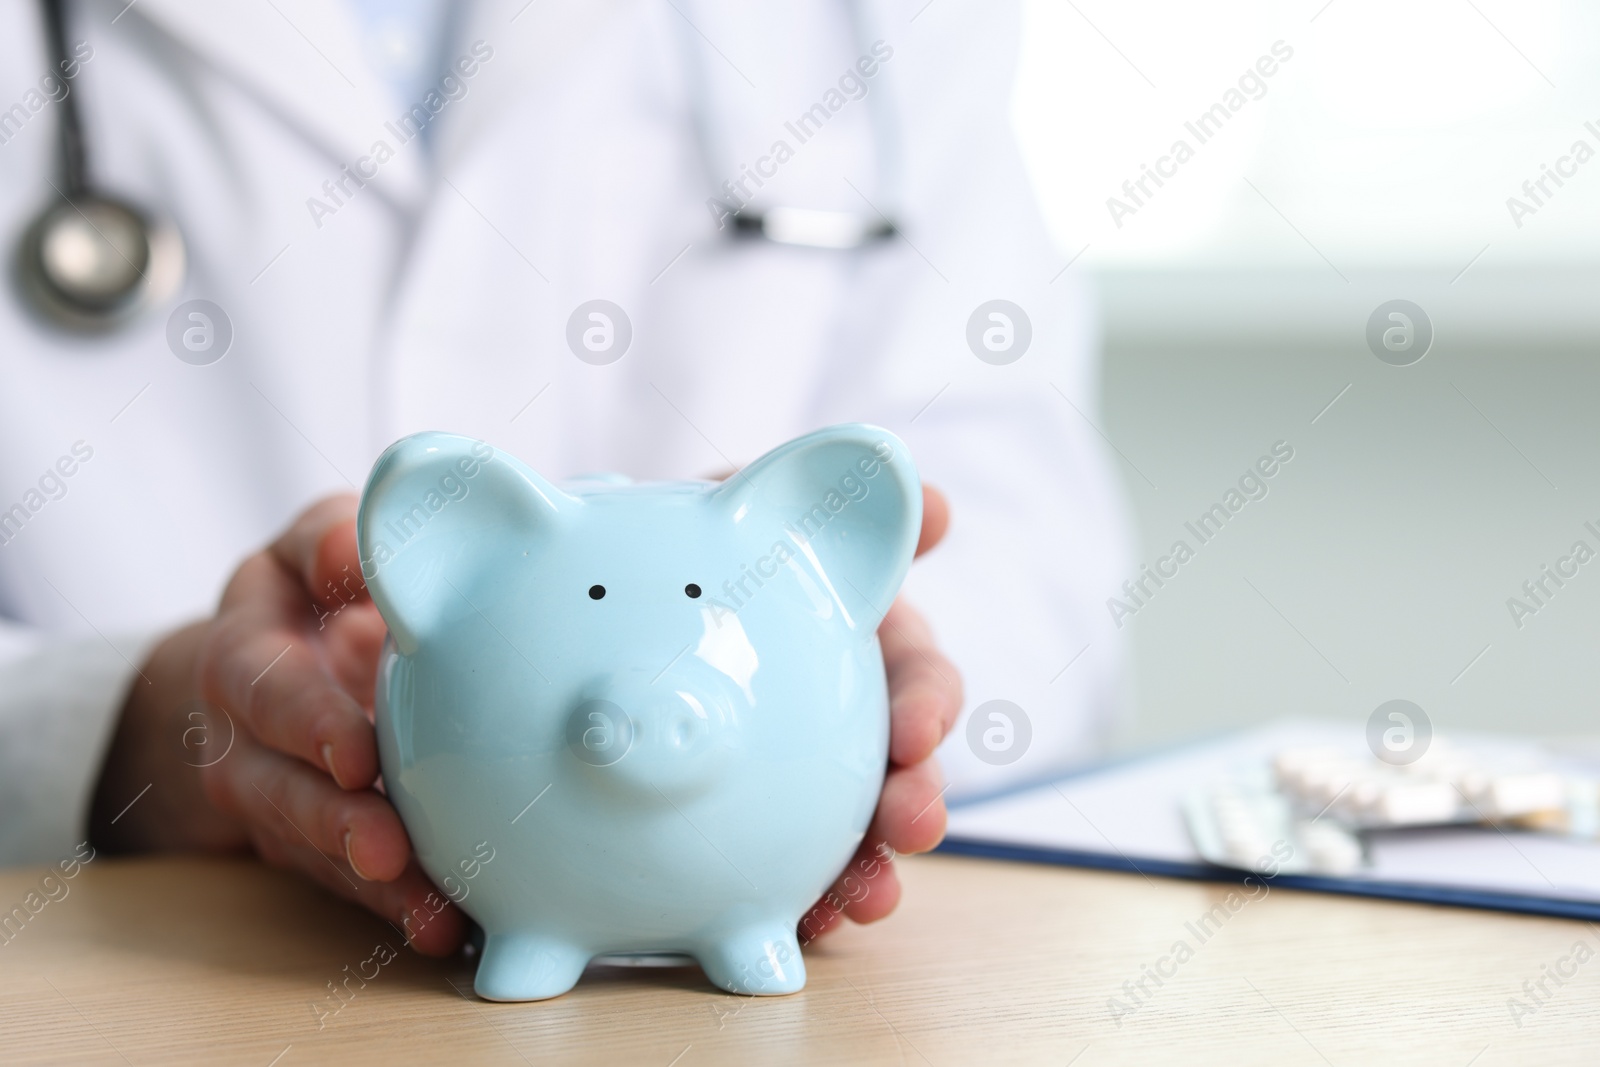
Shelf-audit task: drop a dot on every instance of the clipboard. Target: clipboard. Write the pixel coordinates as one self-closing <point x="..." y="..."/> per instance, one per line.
<point x="1126" y="815"/>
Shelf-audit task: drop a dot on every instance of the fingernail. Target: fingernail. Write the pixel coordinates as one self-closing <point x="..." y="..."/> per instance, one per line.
<point x="350" y="858"/>
<point x="327" y="761"/>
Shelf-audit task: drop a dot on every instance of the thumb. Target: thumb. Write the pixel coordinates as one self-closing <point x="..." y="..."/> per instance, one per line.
<point x="320" y="549"/>
<point x="935" y="518"/>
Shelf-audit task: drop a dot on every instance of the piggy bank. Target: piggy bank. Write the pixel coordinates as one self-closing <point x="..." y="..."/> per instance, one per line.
<point x="636" y="718"/>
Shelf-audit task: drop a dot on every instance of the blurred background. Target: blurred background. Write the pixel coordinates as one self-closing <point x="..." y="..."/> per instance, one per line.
<point x="1374" y="163"/>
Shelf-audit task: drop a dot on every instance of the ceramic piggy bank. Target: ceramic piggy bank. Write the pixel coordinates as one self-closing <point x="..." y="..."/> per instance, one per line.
<point x="636" y="718"/>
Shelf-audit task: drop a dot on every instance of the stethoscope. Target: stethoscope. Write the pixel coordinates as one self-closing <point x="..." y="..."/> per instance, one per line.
<point x="89" y="261"/>
<point x="797" y="226"/>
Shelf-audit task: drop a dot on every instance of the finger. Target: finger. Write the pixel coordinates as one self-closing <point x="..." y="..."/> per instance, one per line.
<point x="352" y="640"/>
<point x="433" y="925"/>
<point x="301" y="806"/>
<point x="925" y="690"/>
<point x="319" y="549"/>
<point x="265" y="588"/>
<point x="935" y="518"/>
<point x="825" y="915"/>
<point x="868" y="886"/>
<point x="911" y="813"/>
<point x="273" y="679"/>
<point x="410" y="904"/>
<point x="866" y="891"/>
<point x="869" y="897"/>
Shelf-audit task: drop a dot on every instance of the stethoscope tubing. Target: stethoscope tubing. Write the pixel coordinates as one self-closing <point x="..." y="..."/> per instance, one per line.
<point x="871" y="228"/>
<point x="73" y="274"/>
<point x="71" y="159"/>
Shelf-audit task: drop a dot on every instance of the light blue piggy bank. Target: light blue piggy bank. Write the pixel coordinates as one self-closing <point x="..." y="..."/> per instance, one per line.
<point x="649" y="718"/>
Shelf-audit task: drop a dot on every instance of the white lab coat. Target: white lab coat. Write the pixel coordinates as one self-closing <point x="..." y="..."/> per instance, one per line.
<point x="437" y="296"/>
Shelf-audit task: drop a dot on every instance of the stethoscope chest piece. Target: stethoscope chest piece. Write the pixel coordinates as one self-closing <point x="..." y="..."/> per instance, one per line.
<point x="92" y="263"/>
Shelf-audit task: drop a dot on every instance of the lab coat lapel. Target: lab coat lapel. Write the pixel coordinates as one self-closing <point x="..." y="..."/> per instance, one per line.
<point x="303" y="58"/>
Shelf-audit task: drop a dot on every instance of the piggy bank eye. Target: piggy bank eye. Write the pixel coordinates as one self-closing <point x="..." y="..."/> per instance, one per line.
<point x="596" y="592"/>
<point x="692" y="590"/>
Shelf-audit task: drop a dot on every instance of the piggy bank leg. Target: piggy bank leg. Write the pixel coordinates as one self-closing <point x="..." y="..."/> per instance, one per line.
<point x="524" y="966"/>
<point x="758" y="960"/>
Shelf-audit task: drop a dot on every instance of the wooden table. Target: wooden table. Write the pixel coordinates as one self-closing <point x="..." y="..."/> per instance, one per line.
<point x="190" y="961"/>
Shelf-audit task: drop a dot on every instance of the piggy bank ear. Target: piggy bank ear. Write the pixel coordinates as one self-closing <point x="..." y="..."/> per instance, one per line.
<point x="443" y="519"/>
<point x="844" y="504"/>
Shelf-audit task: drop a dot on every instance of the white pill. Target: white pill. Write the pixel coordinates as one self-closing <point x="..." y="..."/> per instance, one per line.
<point x="1417" y="804"/>
<point x="1508" y="795"/>
<point x="1330" y="849"/>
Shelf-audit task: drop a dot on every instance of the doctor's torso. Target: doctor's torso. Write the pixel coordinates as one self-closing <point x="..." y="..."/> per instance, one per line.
<point x="375" y="266"/>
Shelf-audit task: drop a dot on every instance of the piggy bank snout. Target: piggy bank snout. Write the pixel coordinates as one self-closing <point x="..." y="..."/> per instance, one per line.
<point x="600" y="732"/>
<point x="665" y="735"/>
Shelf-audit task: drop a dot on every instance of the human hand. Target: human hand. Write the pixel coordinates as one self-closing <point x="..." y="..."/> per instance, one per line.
<point x="292" y="651"/>
<point x="291" y="659"/>
<point x="924" y="700"/>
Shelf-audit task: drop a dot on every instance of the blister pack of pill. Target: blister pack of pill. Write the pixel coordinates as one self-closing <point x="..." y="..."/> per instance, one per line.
<point x="1311" y="809"/>
<point x="1249" y="825"/>
<point x="1445" y="785"/>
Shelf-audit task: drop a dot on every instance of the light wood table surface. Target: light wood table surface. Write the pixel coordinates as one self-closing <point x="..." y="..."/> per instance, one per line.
<point x="161" y="961"/>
